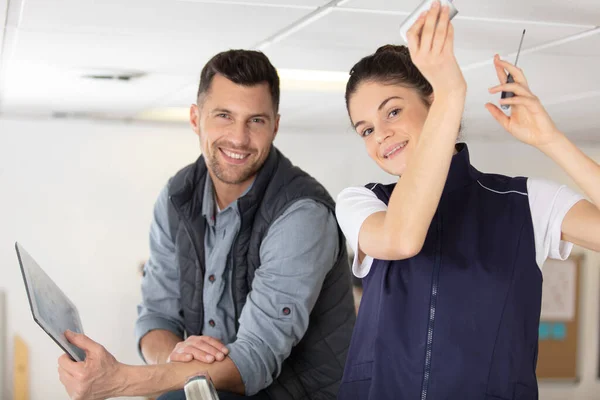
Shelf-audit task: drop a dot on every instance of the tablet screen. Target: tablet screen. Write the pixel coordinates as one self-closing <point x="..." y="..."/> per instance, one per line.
<point x="51" y="308"/>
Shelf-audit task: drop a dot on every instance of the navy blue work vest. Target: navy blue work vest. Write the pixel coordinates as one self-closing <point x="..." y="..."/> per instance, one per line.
<point x="460" y="319"/>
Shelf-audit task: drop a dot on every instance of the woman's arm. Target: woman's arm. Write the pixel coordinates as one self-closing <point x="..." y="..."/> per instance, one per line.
<point x="530" y="123"/>
<point x="581" y="225"/>
<point x="400" y="232"/>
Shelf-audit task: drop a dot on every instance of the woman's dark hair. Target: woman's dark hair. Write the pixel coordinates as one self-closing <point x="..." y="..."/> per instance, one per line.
<point x="244" y="67"/>
<point x="392" y="65"/>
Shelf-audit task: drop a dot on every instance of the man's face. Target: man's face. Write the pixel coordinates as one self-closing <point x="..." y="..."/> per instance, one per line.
<point x="236" y="125"/>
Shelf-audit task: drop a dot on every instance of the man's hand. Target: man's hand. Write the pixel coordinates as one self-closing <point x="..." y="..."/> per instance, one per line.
<point x="202" y="348"/>
<point x="96" y="378"/>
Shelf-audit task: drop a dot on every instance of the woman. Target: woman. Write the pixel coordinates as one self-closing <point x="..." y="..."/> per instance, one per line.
<point x="450" y="257"/>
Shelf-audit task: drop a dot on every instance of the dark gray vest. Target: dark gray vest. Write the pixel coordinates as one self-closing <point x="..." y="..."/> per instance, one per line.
<point x="315" y="366"/>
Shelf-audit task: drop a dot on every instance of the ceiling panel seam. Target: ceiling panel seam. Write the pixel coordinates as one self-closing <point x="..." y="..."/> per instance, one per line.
<point x="539" y="47"/>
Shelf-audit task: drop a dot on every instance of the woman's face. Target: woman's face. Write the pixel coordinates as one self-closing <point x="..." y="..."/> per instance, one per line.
<point x="390" y="119"/>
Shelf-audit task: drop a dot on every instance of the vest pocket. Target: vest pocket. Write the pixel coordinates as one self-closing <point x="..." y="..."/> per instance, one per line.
<point x="492" y="397"/>
<point x="523" y="392"/>
<point x="357" y="382"/>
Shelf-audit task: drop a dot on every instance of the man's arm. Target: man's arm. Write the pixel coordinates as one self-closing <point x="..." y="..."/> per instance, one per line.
<point x="101" y="376"/>
<point x="296" y="255"/>
<point x="160" y="326"/>
<point x="157" y="379"/>
<point x="157" y="345"/>
<point x="298" y="252"/>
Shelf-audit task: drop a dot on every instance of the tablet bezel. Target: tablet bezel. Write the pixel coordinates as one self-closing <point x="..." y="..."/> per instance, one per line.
<point x="58" y="337"/>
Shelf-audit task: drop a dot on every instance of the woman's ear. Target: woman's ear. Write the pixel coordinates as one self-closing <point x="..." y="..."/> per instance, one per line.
<point x="430" y="98"/>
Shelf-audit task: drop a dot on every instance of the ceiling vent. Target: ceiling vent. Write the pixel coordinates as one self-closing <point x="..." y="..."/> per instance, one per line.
<point x="112" y="75"/>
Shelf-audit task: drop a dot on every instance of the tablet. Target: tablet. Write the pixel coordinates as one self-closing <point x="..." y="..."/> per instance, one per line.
<point x="51" y="308"/>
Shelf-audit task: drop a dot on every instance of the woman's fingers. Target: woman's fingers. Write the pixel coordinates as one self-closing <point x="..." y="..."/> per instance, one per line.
<point x="498" y="115"/>
<point x="441" y="31"/>
<point x="500" y="72"/>
<point x="520" y="101"/>
<point x="429" y="28"/>
<point x="517" y="73"/>
<point x="515" y="88"/>
<point x="414" y="34"/>
<point x="449" y="43"/>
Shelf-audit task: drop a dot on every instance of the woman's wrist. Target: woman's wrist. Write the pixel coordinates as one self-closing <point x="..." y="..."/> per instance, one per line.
<point x="555" y="146"/>
<point x="454" y="94"/>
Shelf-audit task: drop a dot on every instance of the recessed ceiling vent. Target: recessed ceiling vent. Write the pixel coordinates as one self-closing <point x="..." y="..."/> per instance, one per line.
<point x="112" y="75"/>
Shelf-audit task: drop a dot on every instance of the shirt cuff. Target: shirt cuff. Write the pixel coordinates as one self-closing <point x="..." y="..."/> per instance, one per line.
<point x="145" y="325"/>
<point x="252" y="370"/>
<point x="560" y="249"/>
<point x="360" y="270"/>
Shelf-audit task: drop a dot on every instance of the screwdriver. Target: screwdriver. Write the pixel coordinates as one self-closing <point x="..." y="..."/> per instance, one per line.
<point x="510" y="79"/>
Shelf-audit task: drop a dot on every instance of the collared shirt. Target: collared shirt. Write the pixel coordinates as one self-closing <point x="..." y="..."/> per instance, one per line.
<point x="299" y="250"/>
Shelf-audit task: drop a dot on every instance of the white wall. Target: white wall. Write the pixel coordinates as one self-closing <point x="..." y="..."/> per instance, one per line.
<point x="2" y="340"/>
<point x="79" y="196"/>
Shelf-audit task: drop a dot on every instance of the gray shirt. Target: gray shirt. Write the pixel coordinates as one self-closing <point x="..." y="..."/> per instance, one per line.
<point x="296" y="254"/>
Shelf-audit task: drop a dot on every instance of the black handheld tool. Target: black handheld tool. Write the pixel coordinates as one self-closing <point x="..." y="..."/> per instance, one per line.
<point x="510" y="79"/>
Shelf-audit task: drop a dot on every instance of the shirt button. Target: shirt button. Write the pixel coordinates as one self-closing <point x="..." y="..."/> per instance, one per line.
<point x="212" y="323"/>
<point x="211" y="278"/>
<point x="286" y="311"/>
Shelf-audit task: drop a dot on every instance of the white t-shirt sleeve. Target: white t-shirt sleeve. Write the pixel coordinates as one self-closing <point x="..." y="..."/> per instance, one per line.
<point x="549" y="202"/>
<point x="353" y="206"/>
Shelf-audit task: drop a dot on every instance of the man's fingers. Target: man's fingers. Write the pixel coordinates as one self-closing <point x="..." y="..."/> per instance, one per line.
<point x="67" y="364"/>
<point x="81" y="341"/>
<point x="63" y="372"/>
<point x="204" y="352"/>
<point x="180" y="357"/>
<point x="202" y="348"/>
<point x="68" y="381"/>
<point x="198" y="340"/>
<point x="197" y="354"/>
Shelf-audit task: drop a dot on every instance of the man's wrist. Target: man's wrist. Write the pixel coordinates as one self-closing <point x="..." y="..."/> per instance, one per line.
<point x="135" y="380"/>
<point x="122" y="379"/>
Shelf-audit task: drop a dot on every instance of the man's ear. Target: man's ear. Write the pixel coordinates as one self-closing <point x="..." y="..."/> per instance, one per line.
<point x="195" y="118"/>
<point x="277" y="118"/>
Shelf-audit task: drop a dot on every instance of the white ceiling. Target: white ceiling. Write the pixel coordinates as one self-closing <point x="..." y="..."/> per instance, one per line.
<point x="49" y="44"/>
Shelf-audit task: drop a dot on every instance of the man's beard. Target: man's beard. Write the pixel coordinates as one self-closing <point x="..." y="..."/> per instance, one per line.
<point x="233" y="174"/>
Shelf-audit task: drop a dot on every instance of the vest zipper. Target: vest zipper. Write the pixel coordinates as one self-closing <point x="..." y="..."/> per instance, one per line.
<point x="232" y="266"/>
<point x="432" y="305"/>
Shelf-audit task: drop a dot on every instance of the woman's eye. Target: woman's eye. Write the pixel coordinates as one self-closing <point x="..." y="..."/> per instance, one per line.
<point x="366" y="132"/>
<point x="394" y="112"/>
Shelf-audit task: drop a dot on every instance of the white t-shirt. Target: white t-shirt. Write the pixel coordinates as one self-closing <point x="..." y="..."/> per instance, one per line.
<point x="548" y="202"/>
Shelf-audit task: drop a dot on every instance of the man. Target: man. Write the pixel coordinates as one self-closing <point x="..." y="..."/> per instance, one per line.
<point x="246" y="261"/>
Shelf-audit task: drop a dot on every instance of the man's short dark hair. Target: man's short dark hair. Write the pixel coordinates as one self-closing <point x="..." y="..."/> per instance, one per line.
<point x="243" y="67"/>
